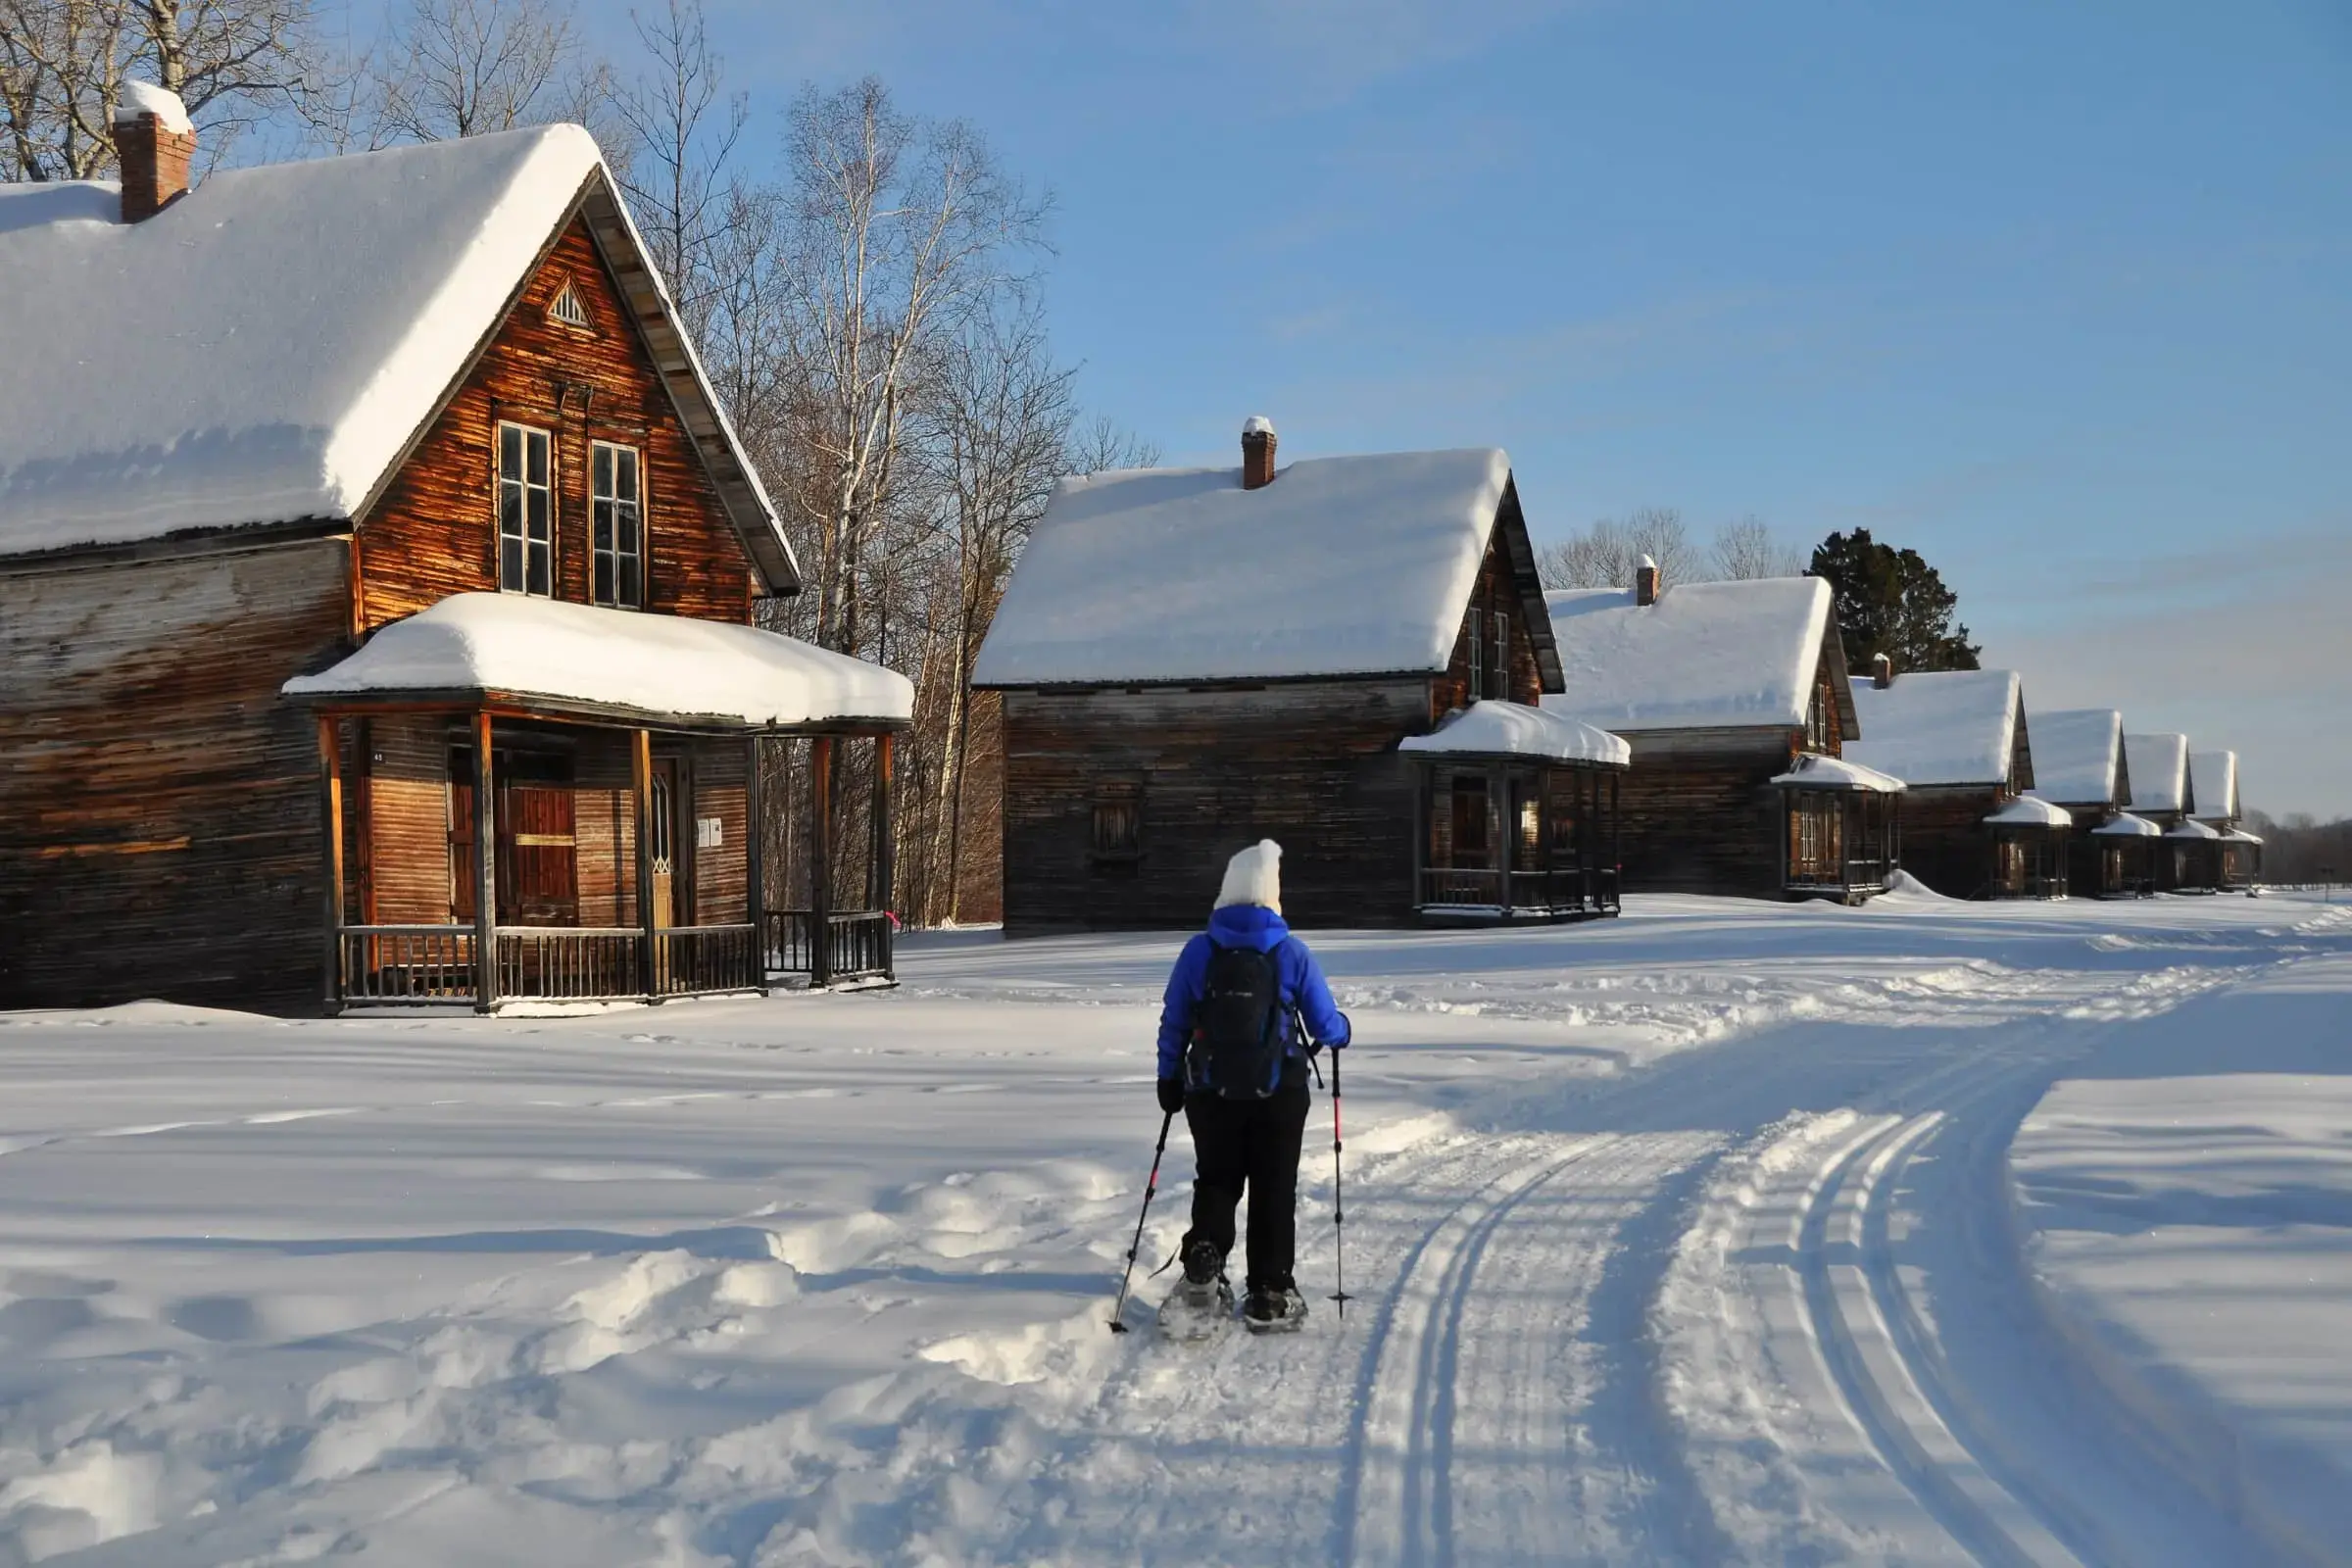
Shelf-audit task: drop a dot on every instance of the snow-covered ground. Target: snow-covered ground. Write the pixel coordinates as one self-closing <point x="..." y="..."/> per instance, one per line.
<point x="1680" y="1238"/>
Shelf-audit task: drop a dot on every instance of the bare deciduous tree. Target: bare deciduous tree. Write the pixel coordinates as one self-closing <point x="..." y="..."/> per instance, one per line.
<point x="234" y="62"/>
<point x="681" y="128"/>
<point x="1605" y="554"/>
<point x="1749" y="548"/>
<point x="462" y="68"/>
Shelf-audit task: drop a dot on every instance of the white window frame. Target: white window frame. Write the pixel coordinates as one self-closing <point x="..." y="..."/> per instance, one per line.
<point x="514" y="495"/>
<point x="1503" y="655"/>
<point x="1477" y="654"/>
<point x="609" y="510"/>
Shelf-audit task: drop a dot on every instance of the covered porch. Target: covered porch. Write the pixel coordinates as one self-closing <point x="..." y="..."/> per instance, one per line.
<point x="529" y="803"/>
<point x="1516" y="817"/>
<point x="2029" y="849"/>
<point x="1841" y="828"/>
<point x="2240" y="859"/>
<point x="2190" y="860"/>
<point x="2125" y="847"/>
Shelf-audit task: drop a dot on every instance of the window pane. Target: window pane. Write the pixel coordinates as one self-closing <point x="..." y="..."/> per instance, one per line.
<point x="510" y="562"/>
<point x="510" y="452"/>
<point x="603" y="513"/>
<point x="602" y="480"/>
<point x="628" y="530"/>
<point x="628" y="475"/>
<point x="538" y="457"/>
<point x="632" y="581"/>
<point x="604" y="580"/>
<point x="510" y="509"/>
<point x="539" y="500"/>
<point x="539" y="569"/>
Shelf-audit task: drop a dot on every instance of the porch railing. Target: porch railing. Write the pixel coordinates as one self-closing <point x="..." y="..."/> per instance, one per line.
<point x="404" y="964"/>
<point x="852" y="945"/>
<point x="393" y="965"/>
<point x="1534" y="894"/>
<point x="1858" y="872"/>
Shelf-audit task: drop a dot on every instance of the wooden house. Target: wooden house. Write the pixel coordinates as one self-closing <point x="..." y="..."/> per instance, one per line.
<point x="1346" y="655"/>
<point x="2079" y="763"/>
<point x="2162" y="795"/>
<point x="1734" y="701"/>
<point x="377" y="577"/>
<point x="2234" y="860"/>
<point x="1958" y="738"/>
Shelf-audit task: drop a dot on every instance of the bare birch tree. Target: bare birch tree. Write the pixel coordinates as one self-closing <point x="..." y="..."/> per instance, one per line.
<point x="1605" y="554"/>
<point x="681" y="127"/>
<point x="1749" y="548"/>
<point x="447" y="69"/>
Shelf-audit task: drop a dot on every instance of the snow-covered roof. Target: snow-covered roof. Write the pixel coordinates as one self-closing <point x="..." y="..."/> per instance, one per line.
<point x="1942" y="726"/>
<point x="2212" y="780"/>
<point x="1706" y="653"/>
<point x="2026" y="811"/>
<point x="1349" y="565"/>
<point x="2188" y="827"/>
<point x="1514" y="729"/>
<point x="2159" y="765"/>
<point x="579" y="656"/>
<point x="2238" y="835"/>
<point x="2076" y="753"/>
<point x="2124" y="825"/>
<point x="1813" y="771"/>
<point x="264" y="350"/>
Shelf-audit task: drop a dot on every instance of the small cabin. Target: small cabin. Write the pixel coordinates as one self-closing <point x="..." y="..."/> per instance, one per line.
<point x="378" y="578"/>
<point x="2078" y="764"/>
<point x="2231" y="859"/>
<point x="1346" y="655"/>
<point x="1958" y="740"/>
<point x="2164" y="797"/>
<point x="1734" y="703"/>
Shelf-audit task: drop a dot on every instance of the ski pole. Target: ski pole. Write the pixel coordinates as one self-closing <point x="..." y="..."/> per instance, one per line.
<point x="1118" y="1324"/>
<point x="1339" y="1203"/>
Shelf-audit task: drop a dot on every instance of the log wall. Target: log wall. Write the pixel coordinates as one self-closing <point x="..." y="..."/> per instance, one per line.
<point x="160" y="829"/>
<point x="434" y="531"/>
<point x="1945" y="842"/>
<point x="1312" y="765"/>
<point x="1698" y="812"/>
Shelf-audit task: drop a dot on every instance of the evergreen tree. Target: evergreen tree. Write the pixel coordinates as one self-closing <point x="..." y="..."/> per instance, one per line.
<point x="1891" y="602"/>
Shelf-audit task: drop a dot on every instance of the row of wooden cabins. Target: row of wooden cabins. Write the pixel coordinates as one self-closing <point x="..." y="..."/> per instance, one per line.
<point x="380" y="582"/>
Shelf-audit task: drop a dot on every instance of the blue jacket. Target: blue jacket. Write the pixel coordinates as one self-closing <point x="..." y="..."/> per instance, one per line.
<point x="1304" y="992"/>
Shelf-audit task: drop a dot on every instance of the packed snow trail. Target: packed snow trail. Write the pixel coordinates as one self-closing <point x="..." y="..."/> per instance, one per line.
<point x="1678" y="1239"/>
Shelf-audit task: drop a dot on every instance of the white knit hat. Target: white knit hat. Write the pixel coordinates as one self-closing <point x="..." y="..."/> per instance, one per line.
<point x="1253" y="876"/>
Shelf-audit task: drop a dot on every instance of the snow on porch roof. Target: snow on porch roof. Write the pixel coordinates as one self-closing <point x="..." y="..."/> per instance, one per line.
<point x="1706" y="653"/>
<point x="2026" y="811"/>
<point x="1942" y="726"/>
<point x="2076" y="753"/>
<point x="1814" y="771"/>
<point x="654" y="666"/>
<point x="2124" y="825"/>
<point x="262" y="350"/>
<point x="1352" y="565"/>
<point x="1514" y="729"/>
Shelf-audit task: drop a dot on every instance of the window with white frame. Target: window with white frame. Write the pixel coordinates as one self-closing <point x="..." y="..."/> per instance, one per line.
<point x="1499" y="681"/>
<point x="616" y="525"/>
<point x="1474" y="635"/>
<point x="527" y="510"/>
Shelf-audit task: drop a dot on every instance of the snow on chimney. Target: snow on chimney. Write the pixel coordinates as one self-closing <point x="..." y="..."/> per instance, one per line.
<point x="1646" y="582"/>
<point x="1881" y="671"/>
<point x="1257" y="452"/>
<point x="153" y="143"/>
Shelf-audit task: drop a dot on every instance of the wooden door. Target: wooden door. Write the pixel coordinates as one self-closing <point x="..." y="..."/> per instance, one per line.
<point x="672" y="845"/>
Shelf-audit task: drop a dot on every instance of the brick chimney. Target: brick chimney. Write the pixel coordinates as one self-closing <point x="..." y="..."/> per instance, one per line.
<point x="1646" y="582"/>
<point x="1257" y="452"/>
<point x="1881" y="671"/>
<point x="154" y="143"/>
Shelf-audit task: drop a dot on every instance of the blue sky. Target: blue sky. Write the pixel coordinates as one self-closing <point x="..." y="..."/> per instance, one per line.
<point x="2057" y="294"/>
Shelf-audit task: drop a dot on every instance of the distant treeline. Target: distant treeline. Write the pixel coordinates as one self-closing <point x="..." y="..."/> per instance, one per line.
<point x="2301" y="849"/>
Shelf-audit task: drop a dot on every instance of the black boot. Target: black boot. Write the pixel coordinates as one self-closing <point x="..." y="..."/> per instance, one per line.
<point x="1275" y="1309"/>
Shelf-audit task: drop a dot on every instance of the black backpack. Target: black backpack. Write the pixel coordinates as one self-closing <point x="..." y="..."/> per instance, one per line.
<point x="1240" y="1030"/>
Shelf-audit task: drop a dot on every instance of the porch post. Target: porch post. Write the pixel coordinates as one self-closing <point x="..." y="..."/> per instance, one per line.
<point x="820" y="863"/>
<point x="641" y="775"/>
<point x="886" y="849"/>
<point x="755" y="854"/>
<point x="1506" y="837"/>
<point x="1616" y="844"/>
<point x="485" y="870"/>
<point x="1422" y="828"/>
<point x="330" y="808"/>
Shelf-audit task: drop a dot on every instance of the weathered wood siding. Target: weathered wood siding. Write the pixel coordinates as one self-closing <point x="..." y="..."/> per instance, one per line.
<point x="1313" y="766"/>
<point x="434" y="531"/>
<point x="1497" y="588"/>
<point x="1698" y="812"/>
<point x="159" y="831"/>
<point x="407" y="863"/>
<point x="1945" y="842"/>
<point x="720" y="892"/>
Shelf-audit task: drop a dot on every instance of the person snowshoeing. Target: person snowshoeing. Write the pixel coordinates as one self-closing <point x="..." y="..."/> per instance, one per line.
<point x="1246" y="1007"/>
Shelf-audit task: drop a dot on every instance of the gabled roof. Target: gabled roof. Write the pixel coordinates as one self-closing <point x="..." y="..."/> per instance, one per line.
<point x="2212" y="780"/>
<point x="266" y="349"/>
<point x="1355" y="565"/>
<point x="1941" y="726"/>
<point x="577" y="658"/>
<point x="2079" y="756"/>
<point x="2159" y="766"/>
<point x="1706" y="654"/>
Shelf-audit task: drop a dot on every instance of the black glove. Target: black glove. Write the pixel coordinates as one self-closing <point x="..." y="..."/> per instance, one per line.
<point x="1171" y="1095"/>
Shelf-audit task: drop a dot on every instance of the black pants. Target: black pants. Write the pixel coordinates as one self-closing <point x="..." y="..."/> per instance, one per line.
<point x="1253" y="1142"/>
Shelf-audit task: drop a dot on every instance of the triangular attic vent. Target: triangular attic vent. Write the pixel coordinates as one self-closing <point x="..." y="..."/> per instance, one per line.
<point x="569" y="308"/>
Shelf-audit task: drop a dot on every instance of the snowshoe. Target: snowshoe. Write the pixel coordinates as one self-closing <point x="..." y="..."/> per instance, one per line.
<point x="1282" y="1311"/>
<point x="1203" y="1300"/>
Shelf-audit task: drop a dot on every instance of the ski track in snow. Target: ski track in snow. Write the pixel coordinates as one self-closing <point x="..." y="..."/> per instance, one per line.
<point x="1749" y="1295"/>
